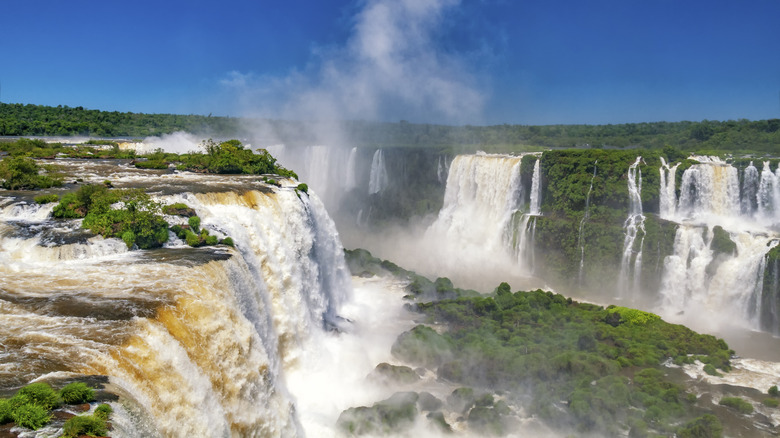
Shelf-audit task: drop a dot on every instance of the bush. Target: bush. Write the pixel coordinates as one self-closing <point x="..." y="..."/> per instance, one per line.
<point x="303" y="187"/>
<point x="194" y="223"/>
<point x="771" y="402"/>
<point x="23" y="173"/>
<point x="31" y="416"/>
<point x="706" y="426"/>
<point x="77" y="392"/>
<point x="91" y="425"/>
<point x="709" y="369"/>
<point x="773" y="391"/>
<point x="227" y="241"/>
<point x="192" y="239"/>
<point x="41" y="394"/>
<point x="103" y="411"/>
<point x="5" y="411"/>
<point x="737" y="403"/>
<point x="46" y="199"/>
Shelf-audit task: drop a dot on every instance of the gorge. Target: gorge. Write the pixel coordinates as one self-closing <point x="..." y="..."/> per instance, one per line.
<point x="275" y="338"/>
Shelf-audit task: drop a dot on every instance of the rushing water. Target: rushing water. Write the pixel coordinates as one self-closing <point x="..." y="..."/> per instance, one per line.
<point x="629" y="278"/>
<point x="200" y="340"/>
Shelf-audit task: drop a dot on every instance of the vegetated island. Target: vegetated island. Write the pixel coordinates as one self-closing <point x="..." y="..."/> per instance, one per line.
<point x="131" y="214"/>
<point x="578" y="367"/>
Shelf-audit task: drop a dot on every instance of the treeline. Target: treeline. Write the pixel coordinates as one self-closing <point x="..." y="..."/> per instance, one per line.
<point x="743" y="135"/>
<point x="32" y="120"/>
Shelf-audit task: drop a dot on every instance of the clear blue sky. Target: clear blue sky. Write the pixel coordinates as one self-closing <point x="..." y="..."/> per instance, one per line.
<point x="440" y="61"/>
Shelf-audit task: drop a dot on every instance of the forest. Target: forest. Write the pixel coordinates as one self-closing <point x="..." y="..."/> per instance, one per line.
<point x="742" y="135"/>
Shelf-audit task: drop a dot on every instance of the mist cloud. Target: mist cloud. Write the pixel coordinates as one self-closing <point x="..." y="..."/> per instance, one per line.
<point x="391" y="67"/>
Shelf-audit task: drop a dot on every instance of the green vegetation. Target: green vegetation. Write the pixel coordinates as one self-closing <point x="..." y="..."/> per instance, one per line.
<point x="761" y="135"/>
<point x="31" y="407"/>
<point x="46" y="199"/>
<point x="721" y="241"/>
<point x="773" y="391"/>
<point x="771" y="402"/>
<point x="22" y="173"/>
<point x="137" y="222"/>
<point x="36" y="148"/>
<point x="90" y="425"/>
<point x="563" y="350"/>
<point x="362" y="263"/>
<point x="737" y="403"/>
<point x="230" y="157"/>
<point x="706" y="426"/>
<point x="389" y="416"/>
<point x="178" y="209"/>
<point x="77" y="392"/>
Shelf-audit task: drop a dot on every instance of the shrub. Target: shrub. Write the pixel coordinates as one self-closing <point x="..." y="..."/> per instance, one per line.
<point x="771" y="402"/>
<point x="192" y="239"/>
<point x="23" y="173"/>
<point x="151" y="164"/>
<point x="46" y="199"/>
<point x="227" y="241"/>
<point x="211" y="240"/>
<point x="5" y="411"/>
<point x="773" y="391"/>
<point x="303" y="187"/>
<point x="31" y="416"/>
<point x="41" y="394"/>
<point x="737" y="403"/>
<point x="709" y="369"/>
<point x="194" y="223"/>
<point x="129" y="238"/>
<point x="103" y="411"/>
<point x="91" y="425"/>
<point x="77" y="392"/>
<point x="178" y="209"/>
<point x="706" y="426"/>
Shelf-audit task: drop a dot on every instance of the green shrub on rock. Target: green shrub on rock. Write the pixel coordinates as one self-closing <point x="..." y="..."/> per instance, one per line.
<point x="41" y="394"/>
<point x="77" y="392"/>
<point x="46" y="199"/>
<point x="737" y="403"/>
<point x="31" y="416"/>
<point x="90" y="425"/>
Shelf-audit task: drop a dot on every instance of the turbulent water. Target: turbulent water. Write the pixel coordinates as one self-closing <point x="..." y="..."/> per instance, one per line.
<point x="199" y="341"/>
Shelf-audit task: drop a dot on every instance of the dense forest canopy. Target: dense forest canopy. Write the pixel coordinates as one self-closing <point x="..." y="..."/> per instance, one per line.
<point x="743" y="135"/>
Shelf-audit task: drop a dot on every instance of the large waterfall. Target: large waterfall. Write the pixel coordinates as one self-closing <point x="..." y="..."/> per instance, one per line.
<point x="700" y="277"/>
<point x="485" y="213"/>
<point x="198" y="341"/>
<point x="631" y="261"/>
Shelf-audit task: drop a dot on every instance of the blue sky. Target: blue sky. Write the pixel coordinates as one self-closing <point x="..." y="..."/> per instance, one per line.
<point x="427" y="61"/>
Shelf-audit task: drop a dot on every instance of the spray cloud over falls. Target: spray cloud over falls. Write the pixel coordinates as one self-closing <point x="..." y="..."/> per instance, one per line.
<point x="390" y="68"/>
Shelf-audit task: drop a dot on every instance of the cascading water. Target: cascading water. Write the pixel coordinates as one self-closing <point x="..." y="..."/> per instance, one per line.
<point x="768" y="195"/>
<point x="350" y="181"/>
<point x="198" y="341"/>
<point x="487" y="189"/>
<point x="667" y="193"/>
<point x="442" y="168"/>
<point x="378" y="178"/>
<point x="749" y="195"/>
<point x="535" y="207"/>
<point x="630" y="273"/>
<point x="585" y="217"/>
<point x="727" y="286"/>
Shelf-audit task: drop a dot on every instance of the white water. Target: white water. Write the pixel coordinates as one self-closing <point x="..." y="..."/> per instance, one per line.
<point x="667" y="193"/>
<point x="535" y="208"/>
<point x="198" y="341"/>
<point x="630" y="273"/>
<point x="484" y="216"/>
<point x="728" y="287"/>
<point x="378" y="178"/>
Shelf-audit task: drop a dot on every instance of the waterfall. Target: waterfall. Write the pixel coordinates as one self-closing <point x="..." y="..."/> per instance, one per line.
<point x="536" y="190"/>
<point x="726" y="287"/>
<point x="768" y="195"/>
<point x="667" y="196"/>
<point x="749" y="194"/>
<point x="197" y="341"/>
<point x="350" y="179"/>
<point x="709" y="188"/>
<point x="442" y="168"/>
<point x="634" y="224"/>
<point x="378" y="179"/>
<point x="768" y="306"/>
<point x="585" y="217"/>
